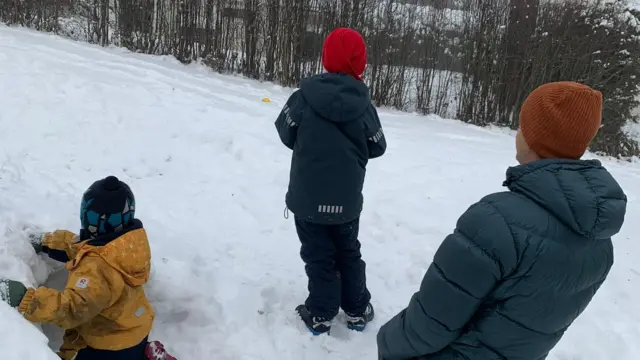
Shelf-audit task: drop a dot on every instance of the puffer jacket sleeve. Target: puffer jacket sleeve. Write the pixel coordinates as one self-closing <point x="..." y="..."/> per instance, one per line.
<point x="289" y="119"/>
<point x="92" y="287"/>
<point x="465" y="269"/>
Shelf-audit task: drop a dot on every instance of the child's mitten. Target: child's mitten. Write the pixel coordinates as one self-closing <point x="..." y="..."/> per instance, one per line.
<point x="12" y="292"/>
<point x="36" y="241"/>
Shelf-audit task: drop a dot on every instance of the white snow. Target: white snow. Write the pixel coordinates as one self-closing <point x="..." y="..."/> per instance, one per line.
<point x="209" y="173"/>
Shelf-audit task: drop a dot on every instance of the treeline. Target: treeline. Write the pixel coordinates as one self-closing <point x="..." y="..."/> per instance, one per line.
<point x="475" y="60"/>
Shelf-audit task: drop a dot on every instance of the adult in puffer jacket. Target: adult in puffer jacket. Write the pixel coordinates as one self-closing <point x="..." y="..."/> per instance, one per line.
<point x="521" y="265"/>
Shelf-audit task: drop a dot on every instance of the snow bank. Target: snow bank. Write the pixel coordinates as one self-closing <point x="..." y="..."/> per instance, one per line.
<point x="209" y="174"/>
<point x="22" y="340"/>
<point x="19" y="338"/>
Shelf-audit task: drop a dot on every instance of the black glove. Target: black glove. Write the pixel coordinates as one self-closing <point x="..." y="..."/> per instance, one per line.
<point x="35" y="239"/>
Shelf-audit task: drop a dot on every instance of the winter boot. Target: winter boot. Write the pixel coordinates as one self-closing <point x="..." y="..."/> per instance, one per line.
<point x="358" y="322"/>
<point x="155" y="351"/>
<point x="317" y="325"/>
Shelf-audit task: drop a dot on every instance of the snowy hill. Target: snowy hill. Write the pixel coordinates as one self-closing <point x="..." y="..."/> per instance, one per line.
<point x="209" y="173"/>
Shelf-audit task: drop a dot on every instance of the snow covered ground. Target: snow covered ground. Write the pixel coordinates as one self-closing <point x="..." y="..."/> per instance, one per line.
<point x="203" y="158"/>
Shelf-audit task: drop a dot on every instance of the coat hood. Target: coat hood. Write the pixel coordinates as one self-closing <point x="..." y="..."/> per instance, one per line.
<point x="336" y="97"/>
<point x="129" y="254"/>
<point x="580" y="193"/>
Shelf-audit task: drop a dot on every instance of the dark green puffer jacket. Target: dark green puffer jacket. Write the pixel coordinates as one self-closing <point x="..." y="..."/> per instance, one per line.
<point x="520" y="267"/>
<point x="333" y="130"/>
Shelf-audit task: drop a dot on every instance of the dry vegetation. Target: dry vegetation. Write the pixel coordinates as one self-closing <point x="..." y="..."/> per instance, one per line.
<point x="472" y="59"/>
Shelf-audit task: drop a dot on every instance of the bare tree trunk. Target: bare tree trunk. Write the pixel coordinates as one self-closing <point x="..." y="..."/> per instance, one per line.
<point x="482" y="59"/>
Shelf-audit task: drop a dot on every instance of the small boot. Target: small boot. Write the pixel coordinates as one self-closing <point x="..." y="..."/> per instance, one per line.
<point x="155" y="351"/>
<point x="358" y="322"/>
<point x="317" y="325"/>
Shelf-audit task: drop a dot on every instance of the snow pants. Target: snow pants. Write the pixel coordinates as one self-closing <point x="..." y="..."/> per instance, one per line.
<point x="133" y="353"/>
<point x="335" y="268"/>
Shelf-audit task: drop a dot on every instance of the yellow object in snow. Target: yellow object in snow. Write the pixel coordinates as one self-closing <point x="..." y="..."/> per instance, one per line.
<point x="266" y="100"/>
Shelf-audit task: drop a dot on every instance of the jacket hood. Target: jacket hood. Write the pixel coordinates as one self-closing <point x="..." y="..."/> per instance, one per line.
<point x="336" y="97"/>
<point x="580" y="193"/>
<point x="129" y="254"/>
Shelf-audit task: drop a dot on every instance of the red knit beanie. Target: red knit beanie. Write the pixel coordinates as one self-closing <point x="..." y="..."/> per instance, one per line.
<point x="344" y="51"/>
<point x="559" y="120"/>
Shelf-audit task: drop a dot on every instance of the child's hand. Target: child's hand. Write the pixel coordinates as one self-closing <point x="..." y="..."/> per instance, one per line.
<point x="35" y="235"/>
<point x="12" y="292"/>
<point x="35" y="239"/>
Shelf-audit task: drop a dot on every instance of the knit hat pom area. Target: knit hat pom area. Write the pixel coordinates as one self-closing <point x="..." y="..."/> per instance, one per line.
<point x="560" y="119"/>
<point x="344" y="51"/>
<point x="107" y="206"/>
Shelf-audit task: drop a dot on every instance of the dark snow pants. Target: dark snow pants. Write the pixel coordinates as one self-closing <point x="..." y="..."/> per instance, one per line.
<point x="133" y="353"/>
<point x="335" y="268"/>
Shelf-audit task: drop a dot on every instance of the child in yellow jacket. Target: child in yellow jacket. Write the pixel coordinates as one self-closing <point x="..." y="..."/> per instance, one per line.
<point x="103" y="307"/>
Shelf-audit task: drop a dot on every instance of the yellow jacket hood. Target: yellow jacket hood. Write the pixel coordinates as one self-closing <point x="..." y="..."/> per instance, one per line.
<point x="129" y="254"/>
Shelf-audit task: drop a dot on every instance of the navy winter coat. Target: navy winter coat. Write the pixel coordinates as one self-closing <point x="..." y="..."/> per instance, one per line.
<point x="333" y="130"/>
<point x="520" y="267"/>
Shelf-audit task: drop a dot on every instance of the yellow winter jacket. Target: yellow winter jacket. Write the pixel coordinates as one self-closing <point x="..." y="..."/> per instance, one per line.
<point x="103" y="305"/>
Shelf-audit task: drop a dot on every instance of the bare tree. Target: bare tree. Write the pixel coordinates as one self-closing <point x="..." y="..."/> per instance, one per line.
<point x="476" y="60"/>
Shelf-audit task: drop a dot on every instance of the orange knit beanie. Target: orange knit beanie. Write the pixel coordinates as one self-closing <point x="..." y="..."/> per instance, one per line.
<point x="559" y="120"/>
